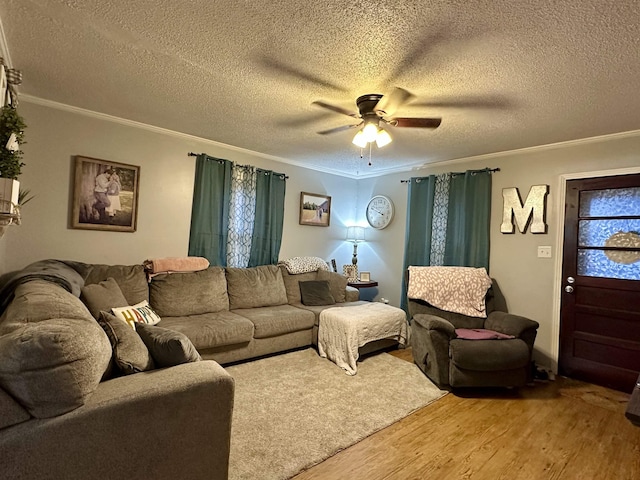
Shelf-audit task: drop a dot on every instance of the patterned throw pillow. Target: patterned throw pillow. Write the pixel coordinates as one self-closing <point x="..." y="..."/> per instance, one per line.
<point x="129" y="351"/>
<point x="167" y="347"/>
<point x="138" y="313"/>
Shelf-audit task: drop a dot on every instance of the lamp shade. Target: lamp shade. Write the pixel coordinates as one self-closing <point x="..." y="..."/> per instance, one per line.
<point x="383" y="138"/>
<point x="355" y="234"/>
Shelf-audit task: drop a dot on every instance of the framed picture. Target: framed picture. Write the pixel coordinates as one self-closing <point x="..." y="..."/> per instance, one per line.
<point x="315" y="209"/>
<point x="351" y="272"/>
<point x="105" y="195"/>
<point x="365" y="276"/>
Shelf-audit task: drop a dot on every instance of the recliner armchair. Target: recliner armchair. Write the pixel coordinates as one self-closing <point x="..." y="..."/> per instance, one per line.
<point x="455" y="362"/>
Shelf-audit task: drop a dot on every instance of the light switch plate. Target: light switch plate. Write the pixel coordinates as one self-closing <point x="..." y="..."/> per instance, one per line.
<point x="544" y="251"/>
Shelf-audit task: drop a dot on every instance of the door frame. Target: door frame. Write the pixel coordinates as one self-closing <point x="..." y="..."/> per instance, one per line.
<point x="559" y="225"/>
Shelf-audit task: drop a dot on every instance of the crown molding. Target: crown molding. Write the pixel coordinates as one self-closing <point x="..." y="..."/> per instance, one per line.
<point x="357" y="176"/>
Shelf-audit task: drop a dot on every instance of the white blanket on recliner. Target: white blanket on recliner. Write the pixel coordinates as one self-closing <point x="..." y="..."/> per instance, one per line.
<point x="453" y="289"/>
<point x="342" y="330"/>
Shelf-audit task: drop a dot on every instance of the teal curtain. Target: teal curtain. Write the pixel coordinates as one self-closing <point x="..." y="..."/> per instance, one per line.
<point x="237" y="213"/>
<point x="448" y="219"/>
<point x="269" y="218"/>
<point x="210" y="209"/>
<point x="418" y="232"/>
<point x="467" y="240"/>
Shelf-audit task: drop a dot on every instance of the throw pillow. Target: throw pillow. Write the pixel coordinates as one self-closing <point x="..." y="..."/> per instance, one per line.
<point x="337" y="284"/>
<point x="168" y="347"/>
<point x="316" y="292"/>
<point x="136" y="314"/>
<point x="129" y="351"/>
<point x="103" y="296"/>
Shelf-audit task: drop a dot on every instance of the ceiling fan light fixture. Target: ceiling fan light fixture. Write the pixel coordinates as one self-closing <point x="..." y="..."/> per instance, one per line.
<point x="359" y="140"/>
<point x="383" y="138"/>
<point x="370" y="132"/>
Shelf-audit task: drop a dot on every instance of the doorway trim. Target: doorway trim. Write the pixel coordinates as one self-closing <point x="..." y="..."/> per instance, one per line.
<point x="559" y="224"/>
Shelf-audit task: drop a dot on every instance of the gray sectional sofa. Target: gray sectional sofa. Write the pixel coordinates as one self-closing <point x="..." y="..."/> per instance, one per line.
<point x="64" y="415"/>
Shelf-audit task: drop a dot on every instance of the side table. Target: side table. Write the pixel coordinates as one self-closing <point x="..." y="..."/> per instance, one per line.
<point x="360" y="285"/>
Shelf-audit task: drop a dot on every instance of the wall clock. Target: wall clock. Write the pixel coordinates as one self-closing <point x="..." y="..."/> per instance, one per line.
<point x="379" y="211"/>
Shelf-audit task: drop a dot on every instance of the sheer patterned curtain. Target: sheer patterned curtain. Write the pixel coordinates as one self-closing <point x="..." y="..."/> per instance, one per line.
<point x="448" y="219"/>
<point x="242" y="215"/>
<point x="237" y="214"/>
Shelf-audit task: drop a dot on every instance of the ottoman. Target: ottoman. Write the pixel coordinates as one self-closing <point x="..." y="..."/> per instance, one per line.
<point x="342" y="330"/>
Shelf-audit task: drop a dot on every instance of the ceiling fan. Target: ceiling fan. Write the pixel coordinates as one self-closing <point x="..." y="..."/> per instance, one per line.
<point x="374" y="111"/>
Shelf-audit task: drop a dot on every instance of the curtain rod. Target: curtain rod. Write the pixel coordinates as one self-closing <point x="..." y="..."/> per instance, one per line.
<point x="490" y="170"/>
<point x="286" y="177"/>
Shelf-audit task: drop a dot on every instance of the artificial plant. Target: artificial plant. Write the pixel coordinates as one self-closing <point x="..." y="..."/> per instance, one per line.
<point x="11" y="159"/>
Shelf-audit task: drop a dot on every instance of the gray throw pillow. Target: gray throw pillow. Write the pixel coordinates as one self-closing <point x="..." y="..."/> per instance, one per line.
<point x="129" y="351"/>
<point x="103" y="296"/>
<point x="337" y="284"/>
<point x="168" y="347"/>
<point x="316" y="292"/>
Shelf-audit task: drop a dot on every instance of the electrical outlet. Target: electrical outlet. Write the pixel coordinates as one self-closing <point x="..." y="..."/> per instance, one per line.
<point x="544" y="251"/>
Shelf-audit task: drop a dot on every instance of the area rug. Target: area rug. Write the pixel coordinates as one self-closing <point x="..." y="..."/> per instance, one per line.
<point x="294" y="410"/>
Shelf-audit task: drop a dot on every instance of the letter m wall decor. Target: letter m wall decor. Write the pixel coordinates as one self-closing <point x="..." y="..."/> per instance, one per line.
<point x="533" y="211"/>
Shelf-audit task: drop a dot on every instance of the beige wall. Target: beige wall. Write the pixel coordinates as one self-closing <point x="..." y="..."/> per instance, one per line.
<point x="55" y="135"/>
<point x="526" y="280"/>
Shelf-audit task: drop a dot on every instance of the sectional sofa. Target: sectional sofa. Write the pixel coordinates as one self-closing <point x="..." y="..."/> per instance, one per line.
<point x="64" y="413"/>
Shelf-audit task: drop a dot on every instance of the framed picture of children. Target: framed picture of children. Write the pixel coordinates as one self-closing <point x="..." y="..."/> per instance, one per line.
<point x="105" y="195"/>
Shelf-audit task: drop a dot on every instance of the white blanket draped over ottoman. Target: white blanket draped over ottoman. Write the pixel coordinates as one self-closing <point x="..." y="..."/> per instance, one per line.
<point x="342" y="330"/>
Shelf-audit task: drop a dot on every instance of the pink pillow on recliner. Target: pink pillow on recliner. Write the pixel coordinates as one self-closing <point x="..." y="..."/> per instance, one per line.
<point x="481" y="334"/>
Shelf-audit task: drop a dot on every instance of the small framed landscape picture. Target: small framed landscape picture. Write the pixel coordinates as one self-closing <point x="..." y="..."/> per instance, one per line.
<point x="105" y="195"/>
<point x="365" y="276"/>
<point x="315" y="209"/>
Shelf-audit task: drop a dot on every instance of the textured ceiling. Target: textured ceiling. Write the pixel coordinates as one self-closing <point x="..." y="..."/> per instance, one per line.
<point x="502" y="74"/>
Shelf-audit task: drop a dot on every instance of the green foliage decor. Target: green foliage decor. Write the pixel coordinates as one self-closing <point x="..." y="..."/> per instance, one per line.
<point x="11" y="161"/>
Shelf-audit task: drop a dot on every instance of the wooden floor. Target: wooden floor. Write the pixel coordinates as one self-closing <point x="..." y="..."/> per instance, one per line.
<point x="564" y="429"/>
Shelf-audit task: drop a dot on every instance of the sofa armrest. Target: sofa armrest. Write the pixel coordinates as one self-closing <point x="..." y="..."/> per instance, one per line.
<point x="162" y="424"/>
<point x="352" y="294"/>
<point x="433" y="322"/>
<point x="430" y="337"/>
<point x="510" y="324"/>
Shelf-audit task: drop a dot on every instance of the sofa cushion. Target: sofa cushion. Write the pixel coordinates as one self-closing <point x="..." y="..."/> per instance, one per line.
<point x="132" y="280"/>
<point x="292" y="284"/>
<point x="255" y="287"/>
<point x="167" y="347"/>
<point x="337" y="284"/>
<point x="52" y="352"/>
<point x="316" y="292"/>
<point x="489" y="355"/>
<point x="130" y="353"/>
<point x="210" y="330"/>
<point x="11" y="412"/>
<point x="103" y="296"/>
<point x="193" y="293"/>
<point x="277" y="320"/>
<point x="133" y="315"/>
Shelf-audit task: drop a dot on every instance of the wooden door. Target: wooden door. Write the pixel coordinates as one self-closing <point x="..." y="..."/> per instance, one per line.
<point x="600" y="308"/>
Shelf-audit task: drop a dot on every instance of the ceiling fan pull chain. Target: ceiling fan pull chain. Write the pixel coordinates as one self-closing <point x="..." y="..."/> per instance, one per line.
<point x="370" y="154"/>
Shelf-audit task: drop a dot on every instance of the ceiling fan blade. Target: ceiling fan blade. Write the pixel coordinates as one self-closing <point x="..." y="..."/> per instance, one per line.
<point x="295" y="72"/>
<point x="333" y="108"/>
<point x="339" y="129"/>
<point x="389" y="104"/>
<point x="469" y="101"/>
<point x="416" y="122"/>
